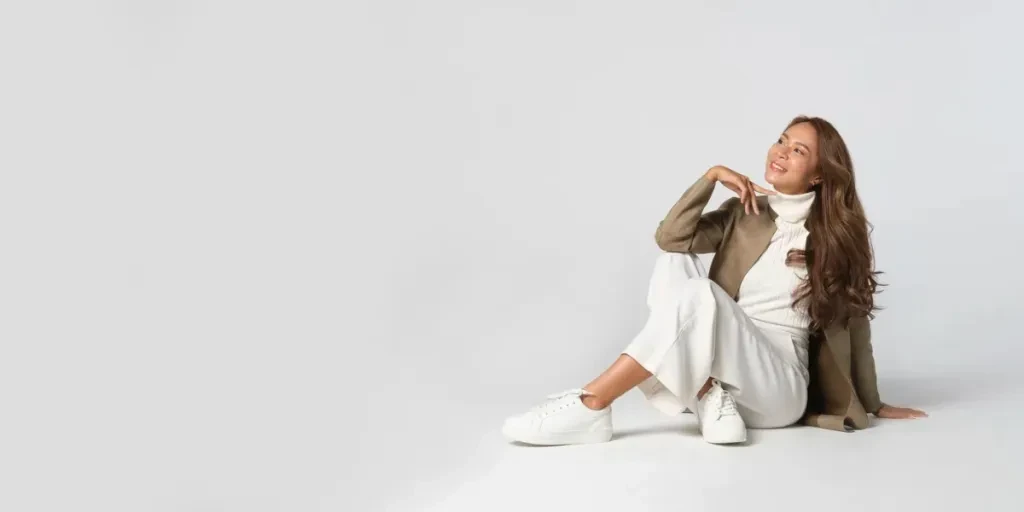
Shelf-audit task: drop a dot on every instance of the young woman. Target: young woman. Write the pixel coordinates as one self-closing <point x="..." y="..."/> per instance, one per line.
<point x="777" y="332"/>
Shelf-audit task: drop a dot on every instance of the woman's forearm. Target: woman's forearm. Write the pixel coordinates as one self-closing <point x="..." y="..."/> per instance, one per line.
<point x="686" y="228"/>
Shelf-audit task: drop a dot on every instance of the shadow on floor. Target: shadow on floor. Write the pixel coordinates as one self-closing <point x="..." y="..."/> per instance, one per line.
<point x="680" y="429"/>
<point x="687" y="430"/>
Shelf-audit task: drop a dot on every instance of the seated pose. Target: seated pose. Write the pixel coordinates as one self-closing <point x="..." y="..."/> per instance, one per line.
<point x="776" y="333"/>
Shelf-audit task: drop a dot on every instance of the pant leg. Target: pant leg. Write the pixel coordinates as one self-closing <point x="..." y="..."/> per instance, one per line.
<point x="696" y="330"/>
<point x="671" y="272"/>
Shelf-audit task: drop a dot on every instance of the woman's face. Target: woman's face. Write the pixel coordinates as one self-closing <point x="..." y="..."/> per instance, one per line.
<point x="793" y="160"/>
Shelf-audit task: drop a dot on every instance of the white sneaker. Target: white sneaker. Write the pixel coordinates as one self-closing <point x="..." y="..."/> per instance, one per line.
<point x="720" y="422"/>
<point x="562" y="419"/>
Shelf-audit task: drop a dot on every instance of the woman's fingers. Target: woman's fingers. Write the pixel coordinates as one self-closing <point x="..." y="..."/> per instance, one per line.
<point x="739" y="190"/>
<point x="753" y="197"/>
<point x="901" y="413"/>
<point x="746" y="189"/>
<point x="907" y="412"/>
<point x="764" y="190"/>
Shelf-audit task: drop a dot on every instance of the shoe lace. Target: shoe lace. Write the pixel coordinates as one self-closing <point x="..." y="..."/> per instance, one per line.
<point x="556" y="402"/>
<point x="726" y="405"/>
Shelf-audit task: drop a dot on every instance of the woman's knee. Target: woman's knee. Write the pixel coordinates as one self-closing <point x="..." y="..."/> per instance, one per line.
<point x="681" y="264"/>
<point x="680" y="279"/>
<point x="692" y="295"/>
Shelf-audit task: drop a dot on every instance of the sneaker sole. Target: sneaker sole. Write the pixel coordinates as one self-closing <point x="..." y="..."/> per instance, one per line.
<point x="561" y="438"/>
<point x="725" y="440"/>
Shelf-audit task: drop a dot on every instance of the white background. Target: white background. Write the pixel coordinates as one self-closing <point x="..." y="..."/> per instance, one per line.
<point x="262" y="256"/>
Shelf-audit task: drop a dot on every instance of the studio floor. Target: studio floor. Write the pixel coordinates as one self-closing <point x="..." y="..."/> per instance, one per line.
<point x="966" y="455"/>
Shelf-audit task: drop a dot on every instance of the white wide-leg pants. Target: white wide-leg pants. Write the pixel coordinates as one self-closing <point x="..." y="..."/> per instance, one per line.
<point x="696" y="330"/>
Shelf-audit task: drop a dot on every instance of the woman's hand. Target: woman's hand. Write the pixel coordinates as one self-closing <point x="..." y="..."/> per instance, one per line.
<point x="740" y="184"/>
<point x="899" y="413"/>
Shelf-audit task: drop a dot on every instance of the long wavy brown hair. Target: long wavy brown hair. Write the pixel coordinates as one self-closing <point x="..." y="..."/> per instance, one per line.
<point x="841" y="280"/>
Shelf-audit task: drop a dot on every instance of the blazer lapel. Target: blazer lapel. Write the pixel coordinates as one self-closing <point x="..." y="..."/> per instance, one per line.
<point x="751" y="237"/>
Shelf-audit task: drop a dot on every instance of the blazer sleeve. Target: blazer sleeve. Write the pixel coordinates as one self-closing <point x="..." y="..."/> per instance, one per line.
<point x="863" y="359"/>
<point x="685" y="229"/>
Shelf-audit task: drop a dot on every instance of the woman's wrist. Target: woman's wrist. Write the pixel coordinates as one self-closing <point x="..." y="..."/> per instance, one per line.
<point x="712" y="174"/>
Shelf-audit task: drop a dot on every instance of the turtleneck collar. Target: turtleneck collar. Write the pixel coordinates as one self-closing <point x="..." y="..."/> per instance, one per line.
<point x="792" y="207"/>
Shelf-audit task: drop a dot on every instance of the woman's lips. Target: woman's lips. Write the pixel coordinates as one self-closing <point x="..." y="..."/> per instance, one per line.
<point x="777" y="167"/>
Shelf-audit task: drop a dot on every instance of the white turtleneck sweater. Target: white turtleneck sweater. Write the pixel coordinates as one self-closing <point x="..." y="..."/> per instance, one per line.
<point x="766" y="293"/>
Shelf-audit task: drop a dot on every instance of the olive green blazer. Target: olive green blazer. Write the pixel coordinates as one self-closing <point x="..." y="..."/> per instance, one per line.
<point x="843" y="387"/>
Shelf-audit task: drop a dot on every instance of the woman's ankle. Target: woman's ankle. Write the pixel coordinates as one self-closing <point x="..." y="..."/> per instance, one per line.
<point x="594" y="402"/>
<point x="707" y="387"/>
